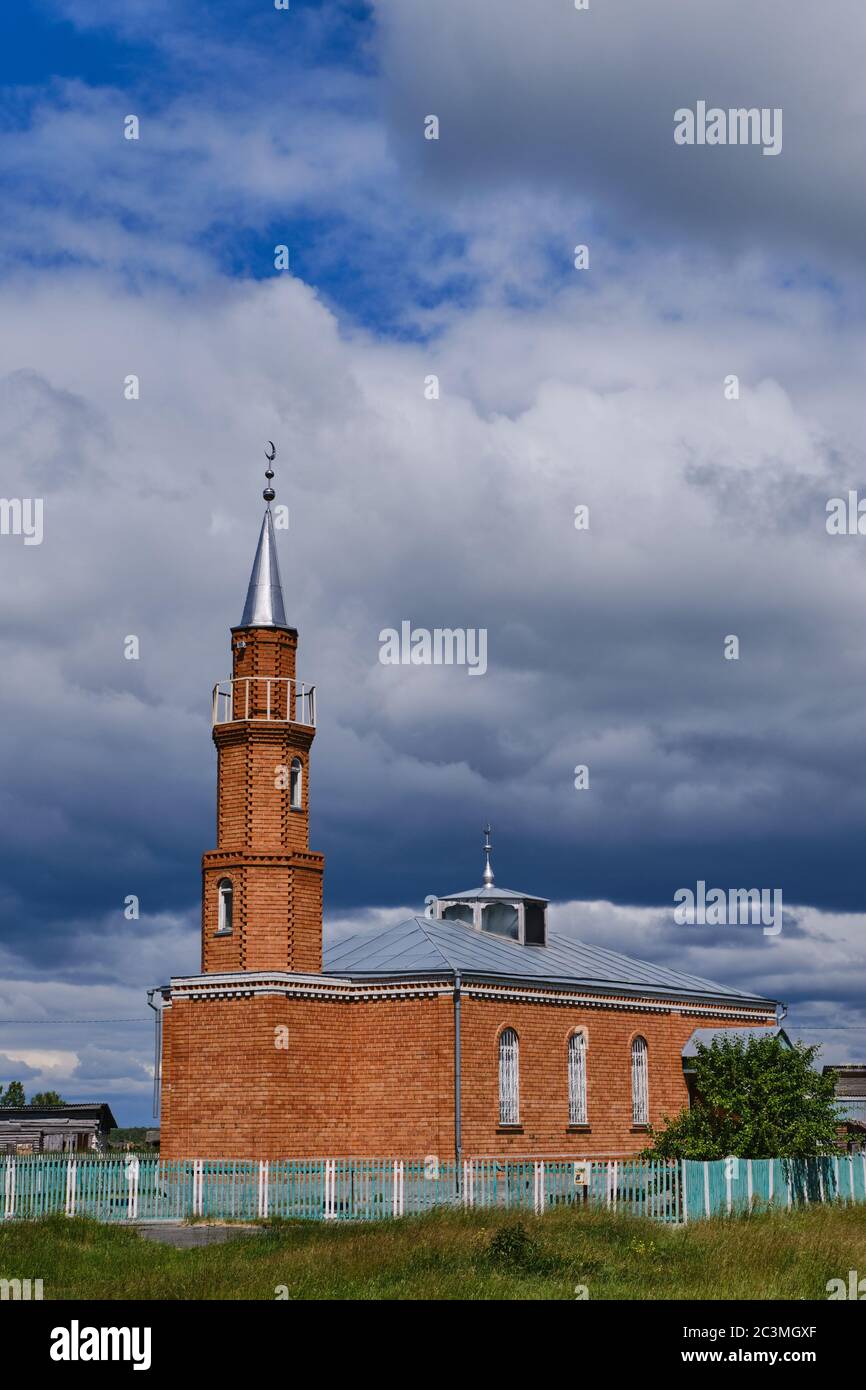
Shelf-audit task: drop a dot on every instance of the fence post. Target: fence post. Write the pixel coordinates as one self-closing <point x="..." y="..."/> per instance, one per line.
<point x="330" y="1189"/>
<point x="132" y="1185"/>
<point x="684" y="1199"/>
<point x="398" y="1187"/>
<point x="70" y="1187"/>
<point x="728" y="1181"/>
<point x="539" y="1188"/>
<point x="707" y="1211"/>
<point x="198" y="1187"/>
<point x="770" y="1182"/>
<point x="264" y="1175"/>
<point x="9" y="1204"/>
<point x="749" y="1188"/>
<point x="468" y="1183"/>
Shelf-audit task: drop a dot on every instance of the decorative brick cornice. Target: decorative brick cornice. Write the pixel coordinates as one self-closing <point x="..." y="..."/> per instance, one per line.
<point x="288" y="859"/>
<point x="264" y="731"/>
<point x="621" y="1003"/>
<point x="256" y="983"/>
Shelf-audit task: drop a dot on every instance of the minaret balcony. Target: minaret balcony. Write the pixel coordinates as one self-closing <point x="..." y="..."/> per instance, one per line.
<point x="272" y="698"/>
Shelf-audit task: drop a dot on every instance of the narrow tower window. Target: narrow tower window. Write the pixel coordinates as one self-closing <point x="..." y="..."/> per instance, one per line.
<point x="225" y="905"/>
<point x="509" y="1078"/>
<point x="639" y="1083"/>
<point x="296" y="784"/>
<point x="577" y="1079"/>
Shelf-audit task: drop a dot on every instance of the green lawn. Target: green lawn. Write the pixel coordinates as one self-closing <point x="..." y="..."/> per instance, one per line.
<point x="477" y="1255"/>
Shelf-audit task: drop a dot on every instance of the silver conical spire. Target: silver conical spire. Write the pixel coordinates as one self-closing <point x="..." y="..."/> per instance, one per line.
<point x="264" y="606"/>
<point x="488" y="871"/>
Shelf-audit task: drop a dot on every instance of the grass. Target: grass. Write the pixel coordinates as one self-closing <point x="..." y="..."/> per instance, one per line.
<point x="454" y="1255"/>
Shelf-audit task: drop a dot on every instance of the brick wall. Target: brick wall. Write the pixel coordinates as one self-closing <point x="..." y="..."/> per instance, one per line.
<point x="543" y="1032"/>
<point x="376" y="1077"/>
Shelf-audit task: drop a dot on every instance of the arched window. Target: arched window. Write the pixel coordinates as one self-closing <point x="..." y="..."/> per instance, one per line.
<point x="225" y="905"/>
<point x="500" y="918"/>
<point x="459" y="912"/>
<point x="639" y="1083"/>
<point x="296" y="784"/>
<point x="577" y="1079"/>
<point x="509" y="1078"/>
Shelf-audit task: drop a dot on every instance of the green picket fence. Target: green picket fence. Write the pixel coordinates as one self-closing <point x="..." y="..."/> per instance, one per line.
<point x="133" y="1188"/>
<point x="735" y="1185"/>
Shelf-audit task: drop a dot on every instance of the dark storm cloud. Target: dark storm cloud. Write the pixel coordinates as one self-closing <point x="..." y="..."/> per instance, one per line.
<point x="584" y="101"/>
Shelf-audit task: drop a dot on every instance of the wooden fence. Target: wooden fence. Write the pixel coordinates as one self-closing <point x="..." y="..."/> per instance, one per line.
<point x="132" y="1188"/>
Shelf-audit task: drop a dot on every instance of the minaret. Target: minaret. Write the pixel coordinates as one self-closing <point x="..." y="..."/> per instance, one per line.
<point x="262" y="885"/>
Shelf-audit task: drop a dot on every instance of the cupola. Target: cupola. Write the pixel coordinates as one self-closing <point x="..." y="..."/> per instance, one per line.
<point x="500" y="911"/>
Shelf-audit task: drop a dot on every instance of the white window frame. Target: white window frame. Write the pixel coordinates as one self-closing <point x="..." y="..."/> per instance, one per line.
<point x="577" y="1079"/>
<point x="639" y="1081"/>
<point x="296" y="785"/>
<point x="509" y="1077"/>
<point x="225" y="920"/>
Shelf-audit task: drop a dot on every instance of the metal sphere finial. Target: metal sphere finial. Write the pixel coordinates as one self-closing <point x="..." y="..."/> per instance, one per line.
<point x="269" y="493"/>
<point x="488" y="870"/>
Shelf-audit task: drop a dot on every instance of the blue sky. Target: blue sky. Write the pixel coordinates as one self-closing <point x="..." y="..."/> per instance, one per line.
<point x="410" y="257"/>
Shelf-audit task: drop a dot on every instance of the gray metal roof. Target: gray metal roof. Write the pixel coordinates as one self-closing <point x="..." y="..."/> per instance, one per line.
<point x="427" y="946"/>
<point x="72" y="1109"/>
<point x="489" y="892"/>
<point x="706" y="1036"/>
<point x="264" y="606"/>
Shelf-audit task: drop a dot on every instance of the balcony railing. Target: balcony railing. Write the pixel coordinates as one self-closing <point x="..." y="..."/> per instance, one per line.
<point x="274" y="698"/>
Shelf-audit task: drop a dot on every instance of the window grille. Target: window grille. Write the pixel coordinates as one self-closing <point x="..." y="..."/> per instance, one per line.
<point x="509" y="1078"/>
<point x="639" y="1083"/>
<point x="577" y="1079"/>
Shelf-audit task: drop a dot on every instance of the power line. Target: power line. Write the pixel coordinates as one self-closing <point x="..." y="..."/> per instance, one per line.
<point x="62" y="1022"/>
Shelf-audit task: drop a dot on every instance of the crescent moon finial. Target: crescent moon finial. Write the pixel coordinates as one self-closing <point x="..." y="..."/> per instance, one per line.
<point x="269" y="493"/>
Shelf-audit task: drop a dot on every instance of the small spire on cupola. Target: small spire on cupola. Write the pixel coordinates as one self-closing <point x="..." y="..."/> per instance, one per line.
<point x="264" y="606"/>
<point x="488" y="871"/>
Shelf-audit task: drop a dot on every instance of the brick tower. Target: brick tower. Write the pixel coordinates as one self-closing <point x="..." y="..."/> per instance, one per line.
<point x="262" y="885"/>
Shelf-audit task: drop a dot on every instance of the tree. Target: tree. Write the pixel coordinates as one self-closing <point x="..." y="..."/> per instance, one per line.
<point x="13" y="1095"/>
<point x="755" y="1098"/>
<point x="46" y="1098"/>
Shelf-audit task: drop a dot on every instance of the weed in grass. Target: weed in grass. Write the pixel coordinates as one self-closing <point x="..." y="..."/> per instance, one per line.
<point x="512" y="1247"/>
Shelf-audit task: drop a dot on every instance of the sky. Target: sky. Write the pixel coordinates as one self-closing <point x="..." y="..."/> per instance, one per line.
<point x="603" y="387"/>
